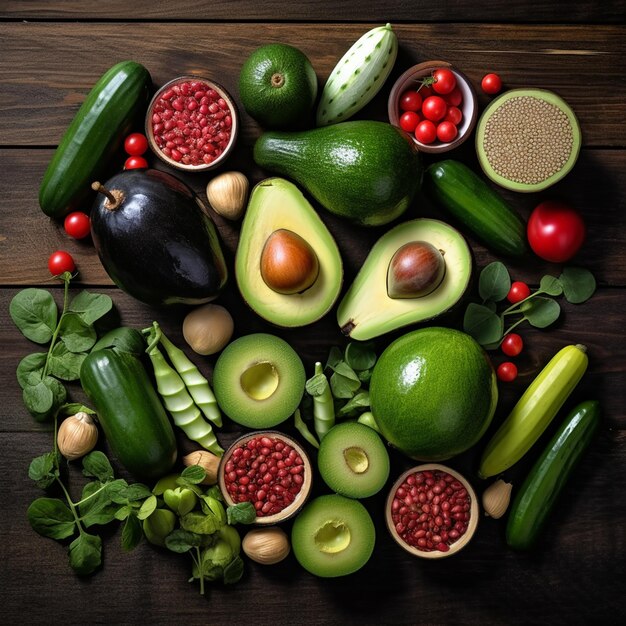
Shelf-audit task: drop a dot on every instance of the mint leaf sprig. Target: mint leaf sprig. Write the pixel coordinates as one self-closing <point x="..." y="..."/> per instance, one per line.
<point x="539" y="309"/>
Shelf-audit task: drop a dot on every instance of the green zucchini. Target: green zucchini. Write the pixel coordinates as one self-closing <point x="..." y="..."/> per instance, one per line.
<point x="469" y="199"/>
<point x="106" y="116"/>
<point x="534" y="410"/>
<point x="130" y="412"/>
<point x="537" y="495"/>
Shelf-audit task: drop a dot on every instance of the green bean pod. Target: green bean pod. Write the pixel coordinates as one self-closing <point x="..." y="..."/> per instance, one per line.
<point x="178" y="402"/>
<point x="323" y="404"/>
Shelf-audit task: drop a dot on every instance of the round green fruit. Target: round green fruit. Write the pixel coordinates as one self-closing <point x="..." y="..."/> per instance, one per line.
<point x="333" y="536"/>
<point x="433" y="393"/>
<point x="278" y="86"/>
<point x="353" y="460"/>
<point x="259" y="380"/>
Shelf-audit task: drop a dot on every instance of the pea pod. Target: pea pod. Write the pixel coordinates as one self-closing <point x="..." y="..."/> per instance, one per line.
<point x="534" y="410"/>
<point x="539" y="492"/>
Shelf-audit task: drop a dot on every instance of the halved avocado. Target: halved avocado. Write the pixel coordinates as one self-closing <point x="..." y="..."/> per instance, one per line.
<point x="367" y="310"/>
<point x="276" y="205"/>
<point x="527" y="139"/>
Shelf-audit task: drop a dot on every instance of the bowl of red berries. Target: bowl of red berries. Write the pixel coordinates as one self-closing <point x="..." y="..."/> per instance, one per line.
<point x="435" y="104"/>
<point x="269" y="469"/>
<point x="192" y="123"/>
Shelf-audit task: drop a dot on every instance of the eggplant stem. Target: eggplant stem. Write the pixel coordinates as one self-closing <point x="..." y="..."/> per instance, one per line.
<point x="114" y="198"/>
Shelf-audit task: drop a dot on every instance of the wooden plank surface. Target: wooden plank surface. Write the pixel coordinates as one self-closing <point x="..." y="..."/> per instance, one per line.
<point x="575" y="575"/>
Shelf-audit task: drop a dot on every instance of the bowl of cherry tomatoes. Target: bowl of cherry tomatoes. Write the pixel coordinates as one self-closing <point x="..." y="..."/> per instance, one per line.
<point x="435" y="104"/>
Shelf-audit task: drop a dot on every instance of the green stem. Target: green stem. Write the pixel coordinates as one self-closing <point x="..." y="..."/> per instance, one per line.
<point x="55" y="334"/>
<point x="512" y="327"/>
<point x="512" y="308"/>
<point x="198" y="561"/>
<point x="72" y="506"/>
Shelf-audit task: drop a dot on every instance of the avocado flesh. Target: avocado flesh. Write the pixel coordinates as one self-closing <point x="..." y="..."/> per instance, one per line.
<point x="276" y="204"/>
<point x="367" y="311"/>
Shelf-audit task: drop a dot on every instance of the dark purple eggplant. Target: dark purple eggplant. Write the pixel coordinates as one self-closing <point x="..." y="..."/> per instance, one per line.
<point x="155" y="240"/>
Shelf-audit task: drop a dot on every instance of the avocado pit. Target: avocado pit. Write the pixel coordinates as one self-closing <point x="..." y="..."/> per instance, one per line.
<point x="356" y="459"/>
<point x="260" y="380"/>
<point x="333" y="537"/>
<point x="415" y="270"/>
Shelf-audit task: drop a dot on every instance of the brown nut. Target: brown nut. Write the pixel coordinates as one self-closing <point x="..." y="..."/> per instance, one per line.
<point x="266" y="545"/>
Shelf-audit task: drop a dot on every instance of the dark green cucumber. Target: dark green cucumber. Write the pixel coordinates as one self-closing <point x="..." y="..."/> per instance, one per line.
<point x="130" y="412"/>
<point x="94" y="135"/>
<point x="475" y="205"/>
<point x="546" y="479"/>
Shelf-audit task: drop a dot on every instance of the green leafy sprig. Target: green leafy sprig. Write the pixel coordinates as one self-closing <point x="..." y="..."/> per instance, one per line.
<point x="69" y="336"/>
<point x="539" y="309"/>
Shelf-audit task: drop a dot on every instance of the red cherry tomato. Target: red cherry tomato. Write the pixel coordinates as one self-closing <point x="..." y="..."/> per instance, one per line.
<point x="454" y="98"/>
<point x="454" y="115"/>
<point x="555" y="231"/>
<point x="409" y="120"/>
<point x="445" y="81"/>
<point x="426" y="132"/>
<point x="135" y="144"/>
<point x="425" y="91"/>
<point x="135" y="163"/>
<point x="446" y="131"/>
<point x="77" y="225"/>
<point x="519" y="291"/>
<point x="512" y="344"/>
<point x="491" y="84"/>
<point x="434" y="108"/>
<point x="410" y="100"/>
<point x="61" y="261"/>
<point x="507" y="372"/>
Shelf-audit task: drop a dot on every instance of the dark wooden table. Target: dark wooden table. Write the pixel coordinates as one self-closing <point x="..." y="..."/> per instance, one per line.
<point x="52" y="53"/>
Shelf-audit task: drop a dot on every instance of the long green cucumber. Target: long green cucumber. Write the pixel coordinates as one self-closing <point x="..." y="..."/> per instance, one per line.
<point x="93" y="137"/>
<point x="469" y="199"/>
<point x="129" y="410"/>
<point x="534" y="410"/>
<point x="539" y="492"/>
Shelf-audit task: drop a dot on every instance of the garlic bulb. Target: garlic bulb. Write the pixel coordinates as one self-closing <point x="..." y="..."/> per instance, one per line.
<point x="266" y="545"/>
<point x="228" y="193"/>
<point x="496" y="498"/>
<point x="77" y="435"/>
<point x="208" y="461"/>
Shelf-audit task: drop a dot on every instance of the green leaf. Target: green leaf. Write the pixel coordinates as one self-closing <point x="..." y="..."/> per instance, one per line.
<point x="343" y="369"/>
<point x="334" y="357"/>
<point x="360" y="356"/>
<point x="360" y="400"/>
<point x="551" y="286"/>
<point x="38" y="398"/>
<point x="131" y="533"/>
<point x="494" y="282"/>
<point x="97" y="465"/>
<point x="90" y="306"/>
<point x="193" y="474"/>
<point x="180" y="540"/>
<point x="233" y="571"/>
<point x="210" y="505"/>
<point x="35" y="313"/>
<point x="242" y="513"/>
<point x="97" y="508"/>
<point x="76" y="334"/>
<point x="200" y="523"/>
<point x="147" y="508"/>
<point x="122" y="339"/>
<point x="123" y="512"/>
<point x="483" y="324"/>
<point x="51" y="517"/>
<point x="365" y="375"/>
<point x="316" y="385"/>
<point x="42" y="470"/>
<point x="31" y="364"/>
<point x="71" y="408"/>
<point x="343" y="387"/>
<point x="85" y="553"/>
<point x="578" y="284"/>
<point x="541" y="312"/>
<point x="136" y="492"/>
<point x="116" y="491"/>
<point x="65" y="364"/>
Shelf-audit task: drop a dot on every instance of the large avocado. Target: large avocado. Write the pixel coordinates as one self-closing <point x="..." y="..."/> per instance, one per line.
<point x="278" y="205"/>
<point x="367" y="310"/>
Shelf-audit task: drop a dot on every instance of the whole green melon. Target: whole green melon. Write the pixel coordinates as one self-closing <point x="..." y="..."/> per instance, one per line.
<point x="433" y="393"/>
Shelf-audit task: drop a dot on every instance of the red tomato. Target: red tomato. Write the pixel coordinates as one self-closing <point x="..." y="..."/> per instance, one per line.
<point x="512" y="344"/>
<point x="434" y="108"/>
<point x="454" y="115"/>
<point x="135" y="163"/>
<point x="135" y="144"/>
<point x="61" y="261"/>
<point x="491" y="84"/>
<point x="426" y="132"/>
<point x="519" y="291"/>
<point x="77" y="225"/>
<point x="445" y="81"/>
<point x="455" y="97"/>
<point x="507" y="372"/>
<point x="446" y="131"/>
<point x="425" y="91"/>
<point x="555" y="231"/>
<point x="410" y="100"/>
<point x="409" y="120"/>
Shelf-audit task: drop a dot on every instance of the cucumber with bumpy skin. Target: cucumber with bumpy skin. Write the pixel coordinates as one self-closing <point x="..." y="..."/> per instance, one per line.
<point x="358" y="76"/>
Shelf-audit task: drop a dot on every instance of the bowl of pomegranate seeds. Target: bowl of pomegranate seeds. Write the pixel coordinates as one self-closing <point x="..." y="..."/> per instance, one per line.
<point x="192" y="124"/>
<point x="432" y="511"/>
<point x="269" y="469"/>
<point x="435" y="105"/>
